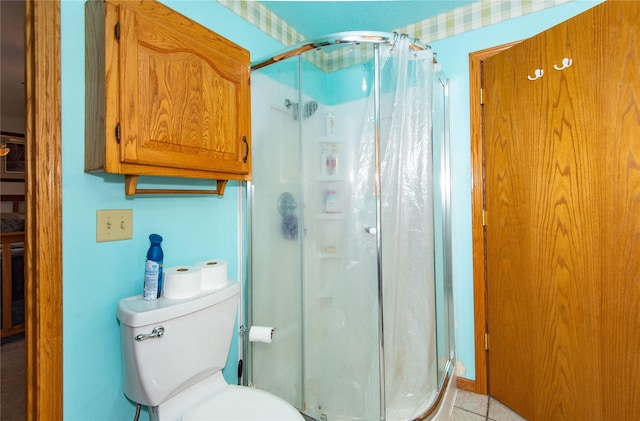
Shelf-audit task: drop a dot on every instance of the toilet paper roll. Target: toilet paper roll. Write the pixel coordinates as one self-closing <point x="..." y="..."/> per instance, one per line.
<point x="214" y="273"/>
<point x="181" y="282"/>
<point x="261" y="334"/>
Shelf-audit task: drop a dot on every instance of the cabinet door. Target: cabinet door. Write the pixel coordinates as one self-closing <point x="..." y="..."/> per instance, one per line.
<point x="184" y="93"/>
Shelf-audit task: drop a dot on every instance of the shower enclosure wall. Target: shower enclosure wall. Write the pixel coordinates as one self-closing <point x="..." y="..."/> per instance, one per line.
<point x="350" y="232"/>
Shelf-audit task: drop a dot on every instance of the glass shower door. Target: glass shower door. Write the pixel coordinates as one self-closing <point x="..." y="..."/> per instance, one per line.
<point x="341" y="339"/>
<point x="275" y="287"/>
<point x="318" y="286"/>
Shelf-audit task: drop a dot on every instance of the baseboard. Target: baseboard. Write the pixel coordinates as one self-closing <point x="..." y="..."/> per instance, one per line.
<point x="466" y="384"/>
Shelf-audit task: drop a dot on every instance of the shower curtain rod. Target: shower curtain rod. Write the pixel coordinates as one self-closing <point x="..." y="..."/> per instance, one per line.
<point x="352" y="37"/>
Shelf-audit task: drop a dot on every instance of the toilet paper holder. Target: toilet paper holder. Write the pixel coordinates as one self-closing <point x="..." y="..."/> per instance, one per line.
<point x="244" y="334"/>
<point x="245" y="331"/>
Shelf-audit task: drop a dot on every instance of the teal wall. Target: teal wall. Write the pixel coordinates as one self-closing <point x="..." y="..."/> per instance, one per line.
<point x="98" y="275"/>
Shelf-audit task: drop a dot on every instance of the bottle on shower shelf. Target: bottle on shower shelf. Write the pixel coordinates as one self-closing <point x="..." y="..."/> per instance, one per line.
<point x="332" y="161"/>
<point x="324" y="156"/>
<point x="331" y="123"/>
<point x="331" y="200"/>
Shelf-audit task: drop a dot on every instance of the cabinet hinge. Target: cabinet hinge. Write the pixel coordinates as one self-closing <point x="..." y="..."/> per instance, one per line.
<point x="118" y="132"/>
<point x="486" y="341"/>
<point x="484" y="217"/>
<point x="481" y="96"/>
<point x="117" y="31"/>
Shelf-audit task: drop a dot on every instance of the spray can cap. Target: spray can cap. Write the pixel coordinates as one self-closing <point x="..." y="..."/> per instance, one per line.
<point x="155" y="239"/>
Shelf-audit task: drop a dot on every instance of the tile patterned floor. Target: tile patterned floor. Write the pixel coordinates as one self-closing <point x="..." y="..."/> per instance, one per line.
<point x="473" y="407"/>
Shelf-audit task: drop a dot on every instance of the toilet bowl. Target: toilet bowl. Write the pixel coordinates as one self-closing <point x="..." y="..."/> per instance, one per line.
<point x="214" y="399"/>
<point x="237" y="403"/>
<point x="242" y="403"/>
<point x="173" y="353"/>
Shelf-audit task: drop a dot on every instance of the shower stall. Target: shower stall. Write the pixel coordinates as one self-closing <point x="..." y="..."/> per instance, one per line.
<point x="349" y="228"/>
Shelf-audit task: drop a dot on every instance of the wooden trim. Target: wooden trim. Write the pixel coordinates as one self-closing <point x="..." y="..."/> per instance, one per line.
<point x="477" y="206"/>
<point x="466" y="384"/>
<point x="43" y="186"/>
<point x="131" y="189"/>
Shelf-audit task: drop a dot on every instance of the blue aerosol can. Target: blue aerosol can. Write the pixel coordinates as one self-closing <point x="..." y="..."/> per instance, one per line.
<point x="153" y="269"/>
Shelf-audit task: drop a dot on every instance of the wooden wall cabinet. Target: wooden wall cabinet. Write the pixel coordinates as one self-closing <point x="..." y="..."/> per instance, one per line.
<point x="165" y="96"/>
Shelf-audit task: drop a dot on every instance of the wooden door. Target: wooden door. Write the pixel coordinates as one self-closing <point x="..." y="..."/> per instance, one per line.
<point x="562" y="193"/>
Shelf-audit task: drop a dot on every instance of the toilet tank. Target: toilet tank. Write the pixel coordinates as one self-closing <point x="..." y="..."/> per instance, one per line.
<point x="195" y="343"/>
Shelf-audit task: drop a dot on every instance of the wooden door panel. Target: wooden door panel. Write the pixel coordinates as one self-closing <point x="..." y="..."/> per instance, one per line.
<point x="562" y="157"/>
<point x="619" y="132"/>
<point x="508" y="205"/>
<point x="568" y="235"/>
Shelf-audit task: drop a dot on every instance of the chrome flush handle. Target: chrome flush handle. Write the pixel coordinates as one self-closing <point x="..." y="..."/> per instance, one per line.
<point x="157" y="332"/>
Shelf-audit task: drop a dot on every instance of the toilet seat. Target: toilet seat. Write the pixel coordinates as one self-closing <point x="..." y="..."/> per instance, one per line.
<point x="242" y="403"/>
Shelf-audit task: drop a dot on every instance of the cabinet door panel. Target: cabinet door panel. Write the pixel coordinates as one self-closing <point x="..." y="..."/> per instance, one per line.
<point x="184" y="96"/>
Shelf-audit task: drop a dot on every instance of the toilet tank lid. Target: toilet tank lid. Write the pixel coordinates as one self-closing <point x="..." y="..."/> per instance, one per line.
<point x="135" y="311"/>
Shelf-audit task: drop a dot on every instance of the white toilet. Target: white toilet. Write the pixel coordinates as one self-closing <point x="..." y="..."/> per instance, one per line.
<point x="173" y="355"/>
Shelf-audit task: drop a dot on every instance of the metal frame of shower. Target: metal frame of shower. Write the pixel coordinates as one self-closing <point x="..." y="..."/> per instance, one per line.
<point x="339" y="38"/>
<point x="441" y="79"/>
<point x="344" y="38"/>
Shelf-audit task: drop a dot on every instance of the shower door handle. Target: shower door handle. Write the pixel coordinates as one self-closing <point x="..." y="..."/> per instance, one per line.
<point x="371" y="230"/>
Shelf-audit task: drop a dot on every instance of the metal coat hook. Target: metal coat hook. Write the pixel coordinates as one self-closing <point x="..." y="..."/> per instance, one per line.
<point x="538" y="73"/>
<point x="566" y="62"/>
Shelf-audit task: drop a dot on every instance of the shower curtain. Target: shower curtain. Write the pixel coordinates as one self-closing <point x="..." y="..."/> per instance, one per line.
<point x="406" y="187"/>
<point x="407" y="253"/>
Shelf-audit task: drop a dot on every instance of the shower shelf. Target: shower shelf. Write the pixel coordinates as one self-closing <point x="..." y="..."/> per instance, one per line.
<point x="330" y="140"/>
<point x="329" y="255"/>
<point x="331" y="178"/>
<point x="330" y="216"/>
